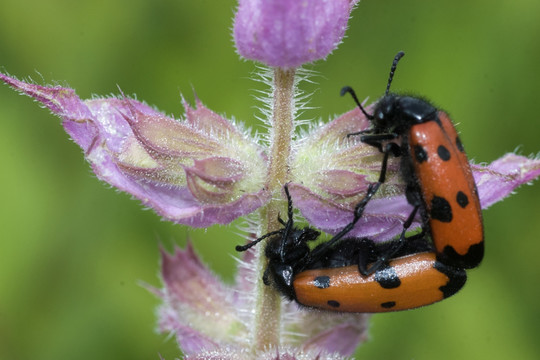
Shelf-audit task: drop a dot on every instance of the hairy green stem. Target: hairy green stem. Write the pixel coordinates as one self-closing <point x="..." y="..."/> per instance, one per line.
<point x="267" y="324"/>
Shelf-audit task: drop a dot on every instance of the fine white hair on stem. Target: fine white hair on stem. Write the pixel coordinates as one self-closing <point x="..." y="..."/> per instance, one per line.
<point x="264" y="96"/>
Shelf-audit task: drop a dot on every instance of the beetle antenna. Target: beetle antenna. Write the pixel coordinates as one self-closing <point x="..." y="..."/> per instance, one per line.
<point x="289" y="224"/>
<point x="249" y="245"/>
<point x="393" y="70"/>
<point x="348" y="89"/>
<point x="287" y="227"/>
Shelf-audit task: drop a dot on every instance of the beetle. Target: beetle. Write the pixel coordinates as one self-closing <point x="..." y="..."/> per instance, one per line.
<point x="329" y="277"/>
<point x="439" y="180"/>
<point x="408" y="281"/>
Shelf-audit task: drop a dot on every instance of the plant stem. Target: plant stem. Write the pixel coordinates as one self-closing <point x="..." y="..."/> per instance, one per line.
<point x="282" y="128"/>
<point x="267" y="323"/>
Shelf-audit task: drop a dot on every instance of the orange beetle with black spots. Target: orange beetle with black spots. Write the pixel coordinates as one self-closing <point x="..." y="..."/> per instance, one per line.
<point x="406" y="282"/>
<point x="435" y="167"/>
<point x="339" y="275"/>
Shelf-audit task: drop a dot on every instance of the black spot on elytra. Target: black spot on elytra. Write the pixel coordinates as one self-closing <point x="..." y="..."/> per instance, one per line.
<point x="456" y="278"/>
<point x="387" y="278"/>
<point x="462" y="199"/>
<point x="334" y="303"/>
<point x="388" y="304"/>
<point x="443" y="152"/>
<point x="471" y="259"/>
<point x="420" y="154"/>
<point x="441" y="209"/>
<point x="322" y="282"/>
<point x="459" y="144"/>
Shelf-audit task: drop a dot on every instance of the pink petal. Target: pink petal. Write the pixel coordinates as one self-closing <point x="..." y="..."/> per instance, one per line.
<point x="190" y="340"/>
<point x="344" y="337"/>
<point x="197" y="306"/>
<point x="497" y="180"/>
<point x="342" y="183"/>
<point x="220" y="170"/>
<point x="168" y="137"/>
<point x="382" y="219"/>
<point x="208" y="121"/>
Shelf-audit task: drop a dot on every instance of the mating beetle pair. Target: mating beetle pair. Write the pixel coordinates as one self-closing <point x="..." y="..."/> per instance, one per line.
<point x="357" y="275"/>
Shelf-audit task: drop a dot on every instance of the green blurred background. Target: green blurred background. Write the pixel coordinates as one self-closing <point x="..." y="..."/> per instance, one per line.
<point x="73" y="250"/>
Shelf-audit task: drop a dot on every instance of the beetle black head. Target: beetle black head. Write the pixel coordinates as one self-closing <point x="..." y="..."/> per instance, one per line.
<point x="291" y="250"/>
<point x="396" y="113"/>
<point x="287" y="255"/>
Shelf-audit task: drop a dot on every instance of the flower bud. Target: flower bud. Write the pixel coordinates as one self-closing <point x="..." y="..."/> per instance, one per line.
<point x="200" y="171"/>
<point x="289" y="33"/>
